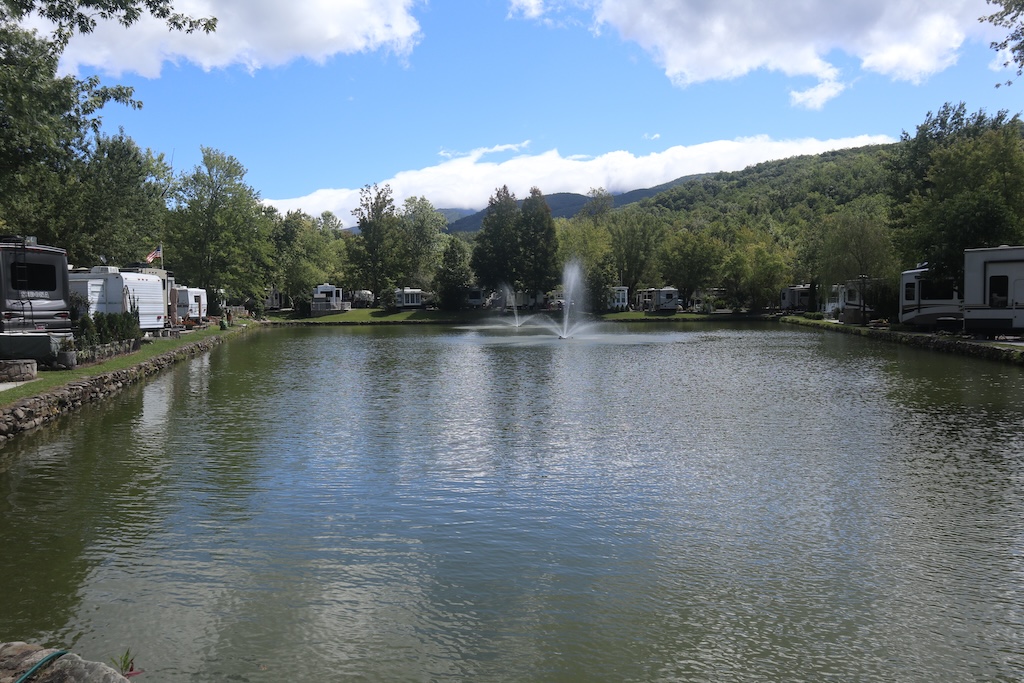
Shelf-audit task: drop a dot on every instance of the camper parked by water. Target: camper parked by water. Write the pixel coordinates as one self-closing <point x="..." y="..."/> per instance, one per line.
<point x="189" y="303"/>
<point x="994" y="289"/>
<point x="795" y="298"/>
<point x="33" y="287"/>
<point x="929" y="301"/>
<point x="327" y="299"/>
<point x="108" y="290"/>
<point x="406" y="297"/>
<point x="657" y="299"/>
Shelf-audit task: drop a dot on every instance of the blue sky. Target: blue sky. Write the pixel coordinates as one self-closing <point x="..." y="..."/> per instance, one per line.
<point x="450" y="100"/>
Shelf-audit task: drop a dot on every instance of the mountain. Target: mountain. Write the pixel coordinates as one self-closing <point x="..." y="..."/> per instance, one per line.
<point x="564" y="204"/>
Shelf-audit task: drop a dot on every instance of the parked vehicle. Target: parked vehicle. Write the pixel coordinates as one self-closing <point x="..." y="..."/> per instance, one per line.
<point x="33" y="286"/>
<point x="994" y="289"/>
<point x="189" y="303"/>
<point x="658" y="299"/>
<point x="795" y="298"/>
<point x="109" y="290"/>
<point x="327" y="299"/>
<point x="409" y="298"/>
<point x="928" y="301"/>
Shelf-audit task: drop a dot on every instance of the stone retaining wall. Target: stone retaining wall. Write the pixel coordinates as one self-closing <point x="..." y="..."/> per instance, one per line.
<point x="945" y="343"/>
<point x="29" y="413"/>
<point x="17" y="370"/>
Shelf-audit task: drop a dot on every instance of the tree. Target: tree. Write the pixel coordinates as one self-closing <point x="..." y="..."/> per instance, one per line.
<point x="376" y="252"/>
<point x="496" y="253"/>
<point x="1011" y="17"/>
<point x="539" y="245"/>
<point x="453" y="277"/>
<point x="420" y="234"/>
<point x="635" y="236"/>
<point x="857" y="243"/>
<point x="975" y="199"/>
<point x="71" y="16"/>
<point x="690" y="261"/>
<point x="220" y="234"/>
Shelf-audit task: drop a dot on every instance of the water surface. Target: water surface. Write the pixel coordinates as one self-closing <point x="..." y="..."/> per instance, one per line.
<point x="641" y="503"/>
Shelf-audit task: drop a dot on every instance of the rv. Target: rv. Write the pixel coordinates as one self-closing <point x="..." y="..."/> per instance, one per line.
<point x="327" y="299"/>
<point x="929" y="301"/>
<point x="994" y="289"/>
<point x="108" y="290"/>
<point x="409" y="298"/>
<point x="795" y="298"/>
<point x="658" y="300"/>
<point x="853" y="305"/>
<point x="33" y="287"/>
<point x="618" y="299"/>
<point x="189" y="302"/>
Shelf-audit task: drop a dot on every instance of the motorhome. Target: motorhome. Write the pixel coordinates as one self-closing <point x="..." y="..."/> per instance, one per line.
<point x="853" y="302"/>
<point x="327" y="299"/>
<point x="929" y="301"/>
<point x="994" y="289"/>
<point x="109" y="290"/>
<point x="33" y="287"/>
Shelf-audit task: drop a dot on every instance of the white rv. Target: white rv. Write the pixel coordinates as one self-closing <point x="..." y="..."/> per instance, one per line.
<point x="409" y="298"/>
<point x="109" y="290"/>
<point x="994" y="289"/>
<point x="929" y="301"/>
<point x="618" y="298"/>
<point x="327" y="299"/>
<point x="658" y="299"/>
<point x="190" y="302"/>
<point x="795" y="298"/>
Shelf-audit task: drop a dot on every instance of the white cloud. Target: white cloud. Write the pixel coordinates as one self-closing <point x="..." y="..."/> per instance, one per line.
<point x="468" y="181"/>
<point x="701" y="40"/>
<point x="251" y="33"/>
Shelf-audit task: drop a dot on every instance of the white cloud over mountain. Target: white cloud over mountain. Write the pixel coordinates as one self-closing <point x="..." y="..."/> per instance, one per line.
<point x="467" y="181"/>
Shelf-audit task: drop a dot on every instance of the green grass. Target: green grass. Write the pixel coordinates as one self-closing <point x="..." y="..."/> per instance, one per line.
<point x="48" y="380"/>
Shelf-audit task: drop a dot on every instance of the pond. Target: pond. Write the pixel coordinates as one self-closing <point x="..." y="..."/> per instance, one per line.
<point x="635" y="503"/>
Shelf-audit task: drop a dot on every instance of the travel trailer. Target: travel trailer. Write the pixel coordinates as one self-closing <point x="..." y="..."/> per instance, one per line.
<point x="108" y="290"/>
<point x="190" y="302"/>
<point x="327" y="299"/>
<point x="33" y="287"/>
<point x="409" y="298"/>
<point x="658" y="299"/>
<point x="618" y="298"/>
<point x="853" y="304"/>
<point x="929" y="301"/>
<point x="994" y="289"/>
<point x="795" y="298"/>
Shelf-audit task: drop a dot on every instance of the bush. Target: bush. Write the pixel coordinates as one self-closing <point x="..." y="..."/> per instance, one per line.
<point x="814" y="315"/>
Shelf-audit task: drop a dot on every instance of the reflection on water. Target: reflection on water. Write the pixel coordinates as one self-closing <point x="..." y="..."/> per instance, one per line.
<point x="635" y="503"/>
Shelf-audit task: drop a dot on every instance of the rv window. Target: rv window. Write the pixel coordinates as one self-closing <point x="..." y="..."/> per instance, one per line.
<point x="937" y="289"/>
<point x="909" y="291"/>
<point x="36" y="277"/>
<point x="998" y="291"/>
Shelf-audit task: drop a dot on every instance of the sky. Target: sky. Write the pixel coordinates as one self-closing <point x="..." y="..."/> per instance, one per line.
<point x="453" y="99"/>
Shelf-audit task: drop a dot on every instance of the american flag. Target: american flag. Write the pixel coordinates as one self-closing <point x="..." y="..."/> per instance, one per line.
<point x="155" y="254"/>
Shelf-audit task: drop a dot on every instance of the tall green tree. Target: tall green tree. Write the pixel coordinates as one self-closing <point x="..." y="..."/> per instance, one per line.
<point x="420" y="242"/>
<point x="497" y="252"/>
<point x="975" y="198"/>
<point x="635" y="240"/>
<point x="690" y="260"/>
<point x="453" y="276"/>
<point x="376" y="252"/>
<point x="219" y="234"/>
<point x="539" y="245"/>
<point x="857" y="242"/>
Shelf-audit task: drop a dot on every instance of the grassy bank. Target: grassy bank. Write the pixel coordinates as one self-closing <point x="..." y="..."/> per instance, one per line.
<point x="48" y="380"/>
